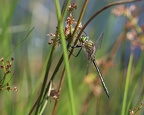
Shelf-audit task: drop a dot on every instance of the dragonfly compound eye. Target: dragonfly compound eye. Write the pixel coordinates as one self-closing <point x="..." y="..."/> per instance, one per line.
<point x="84" y="38"/>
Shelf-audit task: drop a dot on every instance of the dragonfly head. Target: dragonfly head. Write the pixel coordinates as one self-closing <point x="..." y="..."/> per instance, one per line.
<point x="84" y="38"/>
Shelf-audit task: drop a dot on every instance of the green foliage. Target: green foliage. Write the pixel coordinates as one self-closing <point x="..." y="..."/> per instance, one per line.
<point x="44" y="77"/>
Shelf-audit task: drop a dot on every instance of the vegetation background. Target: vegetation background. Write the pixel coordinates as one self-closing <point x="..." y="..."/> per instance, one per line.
<point x="121" y="48"/>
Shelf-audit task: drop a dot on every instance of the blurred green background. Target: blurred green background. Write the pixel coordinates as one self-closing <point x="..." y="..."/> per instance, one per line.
<point x="18" y="17"/>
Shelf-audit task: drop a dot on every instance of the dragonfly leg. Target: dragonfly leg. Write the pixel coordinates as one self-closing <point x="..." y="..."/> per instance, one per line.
<point x="76" y="46"/>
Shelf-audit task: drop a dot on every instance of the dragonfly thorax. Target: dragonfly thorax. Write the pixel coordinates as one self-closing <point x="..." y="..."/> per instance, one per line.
<point x="89" y="46"/>
<point x="90" y="49"/>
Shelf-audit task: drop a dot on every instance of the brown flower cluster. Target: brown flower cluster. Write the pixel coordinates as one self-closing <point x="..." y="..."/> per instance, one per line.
<point x="6" y="67"/>
<point x="70" y="24"/>
<point x="122" y="10"/>
<point x="52" y="39"/>
<point x="72" y="7"/>
<point x="4" y="85"/>
<point x="53" y="93"/>
<point x="135" y="32"/>
<point x="133" y="112"/>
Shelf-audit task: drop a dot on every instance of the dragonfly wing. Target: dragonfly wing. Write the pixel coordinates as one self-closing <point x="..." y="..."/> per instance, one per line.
<point x="99" y="41"/>
<point x="87" y="69"/>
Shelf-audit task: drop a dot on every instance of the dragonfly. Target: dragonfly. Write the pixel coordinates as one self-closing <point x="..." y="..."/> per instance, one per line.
<point x="90" y="48"/>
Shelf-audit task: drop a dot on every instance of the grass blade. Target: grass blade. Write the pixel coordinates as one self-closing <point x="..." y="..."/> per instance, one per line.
<point x="127" y="84"/>
<point x="69" y="83"/>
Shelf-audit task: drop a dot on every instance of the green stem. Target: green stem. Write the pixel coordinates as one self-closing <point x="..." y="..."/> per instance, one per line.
<point x="46" y="101"/>
<point x="69" y="83"/>
<point x="19" y="44"/>
<point x="127" y="84"/>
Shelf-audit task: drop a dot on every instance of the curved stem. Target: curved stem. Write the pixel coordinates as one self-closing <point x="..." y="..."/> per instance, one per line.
<point x="101" y="10"/>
